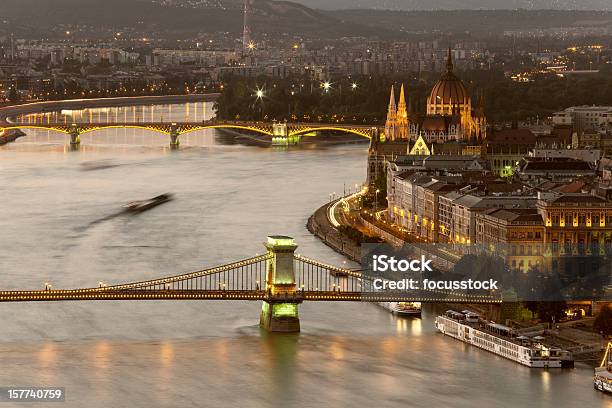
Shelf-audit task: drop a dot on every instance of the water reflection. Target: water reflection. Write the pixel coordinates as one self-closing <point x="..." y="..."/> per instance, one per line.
<point x="47" y="355"/>
<point x="188" y="112"/>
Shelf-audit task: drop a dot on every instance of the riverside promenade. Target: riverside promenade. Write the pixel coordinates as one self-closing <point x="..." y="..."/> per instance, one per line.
<point x="320" y="226"/>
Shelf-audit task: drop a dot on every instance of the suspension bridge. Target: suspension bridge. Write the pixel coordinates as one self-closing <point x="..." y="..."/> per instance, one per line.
<point x="280" y="278"/>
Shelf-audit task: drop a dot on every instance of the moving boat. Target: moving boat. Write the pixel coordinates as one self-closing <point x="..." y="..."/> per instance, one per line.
<point x="402" y="308"/>
<point x="602" y="380"/>
<point x="469" y="328"/>
<point x="144" y="205"/>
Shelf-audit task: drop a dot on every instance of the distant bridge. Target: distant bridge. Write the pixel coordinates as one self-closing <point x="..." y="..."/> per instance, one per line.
<point x="279" y="133"/>
<point x="280" y="278"/>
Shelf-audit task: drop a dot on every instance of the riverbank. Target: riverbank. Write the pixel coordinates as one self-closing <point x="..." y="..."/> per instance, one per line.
<point x="319" y="225"/>
<point x="51" y="106"/>
<point x="585" y="345"/>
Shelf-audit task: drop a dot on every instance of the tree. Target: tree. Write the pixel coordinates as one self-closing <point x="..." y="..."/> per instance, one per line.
<point x="532" y="306"/>
<point x="13" y="95"/>
<point x="603" y="321"/>
<point x="547" y="311"/>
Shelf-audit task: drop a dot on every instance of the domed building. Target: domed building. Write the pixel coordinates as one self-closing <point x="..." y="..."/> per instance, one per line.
<point x="449" y="116"/>
<point x="448" y="94"/>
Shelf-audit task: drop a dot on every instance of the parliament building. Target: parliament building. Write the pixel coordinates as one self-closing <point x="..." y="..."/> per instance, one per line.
<point x="450" y="116"/>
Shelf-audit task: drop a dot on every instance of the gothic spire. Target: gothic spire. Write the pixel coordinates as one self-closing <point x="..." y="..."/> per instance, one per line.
<point x="391" y="123"/>
<point x="392" y="98"/>
<point x="449" y="62"/>
<point x="402" y="116"/>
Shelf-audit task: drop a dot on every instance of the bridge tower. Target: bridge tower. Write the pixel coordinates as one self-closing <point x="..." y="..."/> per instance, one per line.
<point x="75" y="135"/>
<point x="280" y="134"/>
<point x="279" y="312"/>
<point x="174" y="136"/>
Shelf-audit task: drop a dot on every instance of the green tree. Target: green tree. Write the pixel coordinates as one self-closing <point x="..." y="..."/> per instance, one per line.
<point x="549" y="311"/>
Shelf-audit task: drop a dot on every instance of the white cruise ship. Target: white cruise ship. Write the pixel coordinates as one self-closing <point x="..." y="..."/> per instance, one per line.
<point x="602" y="380"/>
<point x="402" y="308"/>
<point x="496" y="338"/>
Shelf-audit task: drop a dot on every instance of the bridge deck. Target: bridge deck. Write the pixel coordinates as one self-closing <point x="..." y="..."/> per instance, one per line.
<point x="190" y="294"/>
<point x="266" y="128"/>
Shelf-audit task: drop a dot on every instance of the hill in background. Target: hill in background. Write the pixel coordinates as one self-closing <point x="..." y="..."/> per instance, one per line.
<point x="180" y="19"/>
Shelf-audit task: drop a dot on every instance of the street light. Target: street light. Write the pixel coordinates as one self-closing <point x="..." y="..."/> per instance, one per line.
<point x="326" y="86"/>
<point x="354" y="86"/>
<point x="259" y="96"/>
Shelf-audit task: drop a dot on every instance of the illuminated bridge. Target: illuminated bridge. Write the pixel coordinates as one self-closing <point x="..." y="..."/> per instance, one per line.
<point x="279" y="133"/>
<point x="280" y="278"/>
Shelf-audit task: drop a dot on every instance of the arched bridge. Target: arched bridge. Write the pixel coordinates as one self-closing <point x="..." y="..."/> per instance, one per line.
<point x="279" y="133"/>
<point x="280" y="278"/>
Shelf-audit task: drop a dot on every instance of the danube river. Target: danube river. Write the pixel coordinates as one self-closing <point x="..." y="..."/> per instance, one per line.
<point x="59" y="224"/>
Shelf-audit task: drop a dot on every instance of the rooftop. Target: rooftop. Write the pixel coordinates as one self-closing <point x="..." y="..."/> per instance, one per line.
<point x="554" y="164"/>
<point x="516" y="215"/>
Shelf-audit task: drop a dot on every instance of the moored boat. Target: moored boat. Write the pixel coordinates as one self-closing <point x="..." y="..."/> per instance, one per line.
<point x="602" y="380"/>
<point x="402" y="308"/>
<point x="468" y="327"/>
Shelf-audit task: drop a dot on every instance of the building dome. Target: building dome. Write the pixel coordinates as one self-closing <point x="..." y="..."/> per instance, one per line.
<point x="448" y="92"/>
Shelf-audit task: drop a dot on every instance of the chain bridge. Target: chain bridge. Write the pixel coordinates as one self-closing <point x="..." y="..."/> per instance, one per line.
<point x="280" y="278"/>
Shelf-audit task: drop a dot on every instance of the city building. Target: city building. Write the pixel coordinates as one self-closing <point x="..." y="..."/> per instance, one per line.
<point x="534" y="170"/>
<point x="458" y="211"/>
<point x="591" y="156"/>
<point x="519" y="233"/>
<point x="585" y="117"/>
<point x="576" y="218"/>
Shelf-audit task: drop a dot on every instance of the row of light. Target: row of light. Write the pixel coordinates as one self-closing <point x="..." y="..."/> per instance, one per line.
<point x="159" y="129"/>
<point x="128" y="296"/>
<point x="326" y="85"/>
<point x="224" y="295"/>
<point x="360" y="297"/>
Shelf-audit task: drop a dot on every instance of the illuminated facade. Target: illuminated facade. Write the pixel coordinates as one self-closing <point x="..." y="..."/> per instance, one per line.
<point x="449" y="117"/>
<point x="575" y="218"/>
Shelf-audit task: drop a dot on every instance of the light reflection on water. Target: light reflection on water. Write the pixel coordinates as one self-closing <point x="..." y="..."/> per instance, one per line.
<point x="57" y="225"/>
<point x="188" y="112"/>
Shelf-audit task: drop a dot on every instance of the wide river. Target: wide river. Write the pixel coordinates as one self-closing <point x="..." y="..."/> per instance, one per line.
<point x="58" y="225"/>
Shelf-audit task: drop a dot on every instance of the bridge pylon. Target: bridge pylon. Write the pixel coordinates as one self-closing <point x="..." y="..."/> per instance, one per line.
<point x="281" y="135"/>
<point x="279" y="312"/>
<point x="75" y="135"/>
<point x="174" y="136"/>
